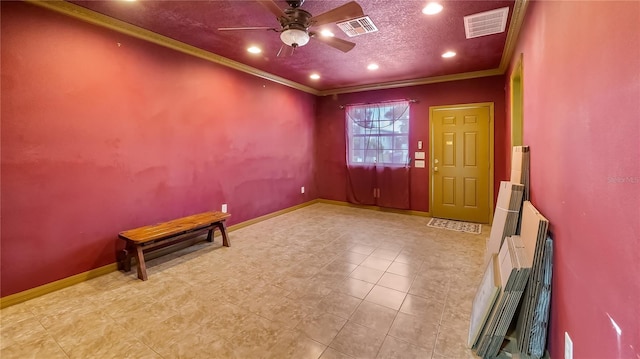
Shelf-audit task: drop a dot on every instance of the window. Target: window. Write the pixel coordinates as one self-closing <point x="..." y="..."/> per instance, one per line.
<point x="378" y="134"/>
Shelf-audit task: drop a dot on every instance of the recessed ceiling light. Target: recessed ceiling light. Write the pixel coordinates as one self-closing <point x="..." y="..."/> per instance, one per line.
<point x="373" y="67"/>
<point x="448" y="54"/>
<point x="314" y="76"/>
<point x="327" y="33"/>
<point x="432" y="8"/>
<point x="254" y="50"/>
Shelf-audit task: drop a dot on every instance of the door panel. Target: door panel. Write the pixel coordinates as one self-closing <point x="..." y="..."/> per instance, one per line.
<point x="470" y="192"/>
<point x="448" y="191"/>
<point x="470" y="145"/>
<point x="448" y="149"/>
<point x="461" y="162"/>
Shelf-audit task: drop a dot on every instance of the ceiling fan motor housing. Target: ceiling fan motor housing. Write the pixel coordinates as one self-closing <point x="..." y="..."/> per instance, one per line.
<point x="297" y="17"/>
<point x="295" y="27"/>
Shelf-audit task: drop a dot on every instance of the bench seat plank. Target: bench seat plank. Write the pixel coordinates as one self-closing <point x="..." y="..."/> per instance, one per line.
<point x="168" y="233"/>
<point x="173" y="228"/>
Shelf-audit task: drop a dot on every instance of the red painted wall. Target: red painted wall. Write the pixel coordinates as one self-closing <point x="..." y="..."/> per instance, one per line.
<point x="331" y="141"/>
<point x="581" y="119"/>
<point x="102" y="132"/>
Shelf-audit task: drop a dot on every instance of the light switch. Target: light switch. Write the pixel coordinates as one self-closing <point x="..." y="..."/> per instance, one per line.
<point x="419" y="156"/>
<point x="419" y="145"/>
<point x="418" y="164"/>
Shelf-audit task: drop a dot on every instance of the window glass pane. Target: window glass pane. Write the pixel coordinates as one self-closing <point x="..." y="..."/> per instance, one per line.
<point x="401" y="142"/>
<point x="373" y="143"/>
<point x="387" y="156"/>
<point x="400" y="156"/>
<point x="357" y="143"/>
<point x="357" y="129"/>
<point x="371" y="156"/>
<point x="401" y="126"/>
<point x="357" y="156"/>
<point x="386" y="142"/>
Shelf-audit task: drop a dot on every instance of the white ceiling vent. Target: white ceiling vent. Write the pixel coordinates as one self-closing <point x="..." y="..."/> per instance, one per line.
<point x="486" y="23"/>
<point x="359" y="26"/>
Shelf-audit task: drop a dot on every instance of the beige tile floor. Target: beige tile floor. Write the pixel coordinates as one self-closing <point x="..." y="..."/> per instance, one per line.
<point x="324" y="282"/>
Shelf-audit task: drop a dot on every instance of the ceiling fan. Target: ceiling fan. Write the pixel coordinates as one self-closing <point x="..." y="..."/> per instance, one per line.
<point x="295" y="23"/>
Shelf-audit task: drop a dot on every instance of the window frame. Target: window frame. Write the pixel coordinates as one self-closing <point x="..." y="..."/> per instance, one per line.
<point x="377" y="136"/>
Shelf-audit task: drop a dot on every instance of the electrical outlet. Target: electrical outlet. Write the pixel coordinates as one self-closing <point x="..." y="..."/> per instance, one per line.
<point x="568" y="346"/>
<point x="302" y="189"/>
<point x="224" y="208"/>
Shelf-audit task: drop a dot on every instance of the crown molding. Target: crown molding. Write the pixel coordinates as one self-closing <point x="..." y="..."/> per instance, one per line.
<point x="413" y="82"/>
<point x="517" y="18"/>
<point x="96" y="18"/>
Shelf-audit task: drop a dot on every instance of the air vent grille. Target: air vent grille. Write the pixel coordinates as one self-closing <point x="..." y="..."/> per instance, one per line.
<point x="359" y="26"/>
<point x="486" y="23"/>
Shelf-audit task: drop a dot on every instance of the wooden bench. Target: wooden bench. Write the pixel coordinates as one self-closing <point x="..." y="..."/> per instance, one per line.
<point x="165" y="234"/>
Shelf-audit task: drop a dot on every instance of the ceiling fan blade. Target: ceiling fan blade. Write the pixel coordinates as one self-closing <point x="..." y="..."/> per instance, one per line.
<point x="285" y="50"/>
<point x="342" y="45"/>
<point x="344" y="12"/>
<point x="273" y="7"/>
<point x="247" y="28"/>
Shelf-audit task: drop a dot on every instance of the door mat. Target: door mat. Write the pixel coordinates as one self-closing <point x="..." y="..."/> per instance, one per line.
<point x="455" y="225"/>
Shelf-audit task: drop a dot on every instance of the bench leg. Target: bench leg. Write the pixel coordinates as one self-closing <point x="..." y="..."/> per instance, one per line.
<point x="210" y="235"/>
<point x="142" y="268"/>
<point x="124" y="260"/>
<point x="127" y="254"/>
<point x="223" y="229"/>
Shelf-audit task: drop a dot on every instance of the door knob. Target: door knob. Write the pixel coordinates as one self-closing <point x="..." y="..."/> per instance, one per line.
<point x="435" y="169"/>
<point x="436" y="161"/>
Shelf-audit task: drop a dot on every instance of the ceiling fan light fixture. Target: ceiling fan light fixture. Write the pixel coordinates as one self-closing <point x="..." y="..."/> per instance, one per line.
<point x="294" y="37"/>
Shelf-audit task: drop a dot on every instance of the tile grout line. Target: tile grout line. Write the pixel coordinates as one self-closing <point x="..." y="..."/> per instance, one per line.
<point x="397" y="311"/>
<point x="446" y="297"/>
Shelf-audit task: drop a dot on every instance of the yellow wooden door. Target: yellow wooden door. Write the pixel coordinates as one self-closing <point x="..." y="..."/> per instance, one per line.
<point x="462" y="162"/>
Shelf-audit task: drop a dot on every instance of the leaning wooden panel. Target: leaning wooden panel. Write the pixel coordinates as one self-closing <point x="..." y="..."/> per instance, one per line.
<point x="513" y="256"/>
<point x="540" y="321"/>
<point x="505" y="217"/>
<point x="520" y="167"/>
<point x="536" y="238"/>
<point x="484" y="300"/>
<point x="505" y="268"/>
<point x="530" y="227"/>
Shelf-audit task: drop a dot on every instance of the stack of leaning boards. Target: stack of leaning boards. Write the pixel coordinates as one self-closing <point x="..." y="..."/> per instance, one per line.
<point x="484" y="300"/>
<point x="516" y="260"/>
<point x="537" y="249"/>
<point x="515" y="267"/>
<point x="505" y="217"/>
<point x="540" y="325"/>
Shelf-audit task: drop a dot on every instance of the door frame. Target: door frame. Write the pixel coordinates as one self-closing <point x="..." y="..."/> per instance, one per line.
<point x="490" y="105"/>
<point x="517" y="104"/>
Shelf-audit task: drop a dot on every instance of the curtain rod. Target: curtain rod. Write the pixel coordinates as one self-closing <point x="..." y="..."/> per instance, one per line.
<point x="410" y="100"/>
